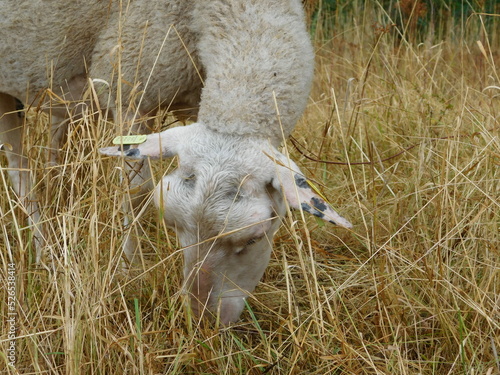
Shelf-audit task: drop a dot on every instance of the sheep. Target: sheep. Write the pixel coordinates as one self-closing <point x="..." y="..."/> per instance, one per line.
<point x="244" y="68"/>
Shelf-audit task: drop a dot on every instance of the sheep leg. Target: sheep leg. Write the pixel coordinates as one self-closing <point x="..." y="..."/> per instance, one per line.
<point x="58" y="130"/>
<point x="11" y="137"/>
<point x="140" y="184"/>
<point x="70" y="107"/>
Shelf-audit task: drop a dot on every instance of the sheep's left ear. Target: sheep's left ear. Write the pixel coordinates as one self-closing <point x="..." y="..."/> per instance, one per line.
<point x="300" y="193"/>
<point x="155" y="146"/>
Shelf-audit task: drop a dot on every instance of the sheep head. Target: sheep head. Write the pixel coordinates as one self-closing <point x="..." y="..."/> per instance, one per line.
<point x="225" y="201"/>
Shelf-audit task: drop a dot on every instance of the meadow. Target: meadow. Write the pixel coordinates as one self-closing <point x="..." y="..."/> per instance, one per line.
<point x="401" y="134"/>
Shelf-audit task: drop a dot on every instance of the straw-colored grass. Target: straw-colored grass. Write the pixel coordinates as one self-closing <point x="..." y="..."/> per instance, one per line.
<point x="414" y="288"/>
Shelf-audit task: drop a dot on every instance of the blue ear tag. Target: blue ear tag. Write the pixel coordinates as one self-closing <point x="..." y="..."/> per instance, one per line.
<point x="130" y="139"/>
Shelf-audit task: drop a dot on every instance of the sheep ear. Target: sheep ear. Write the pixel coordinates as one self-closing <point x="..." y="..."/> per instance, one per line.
<point x="157" y="145"/>
<point x="301" y="194"/>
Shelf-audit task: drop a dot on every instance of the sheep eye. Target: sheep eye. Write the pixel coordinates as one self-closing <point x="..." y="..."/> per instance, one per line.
<point x="252" y="241"/>
<point x="189" y="180"/>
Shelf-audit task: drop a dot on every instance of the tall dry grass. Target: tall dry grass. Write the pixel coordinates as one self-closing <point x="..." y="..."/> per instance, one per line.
<point x="404" y="140"/>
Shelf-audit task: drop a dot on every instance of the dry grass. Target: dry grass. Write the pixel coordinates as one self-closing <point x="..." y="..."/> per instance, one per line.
<point x="414" y="288"/>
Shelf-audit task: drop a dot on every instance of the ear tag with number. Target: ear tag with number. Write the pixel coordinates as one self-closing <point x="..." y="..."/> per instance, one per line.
<point x="130" y="139"/>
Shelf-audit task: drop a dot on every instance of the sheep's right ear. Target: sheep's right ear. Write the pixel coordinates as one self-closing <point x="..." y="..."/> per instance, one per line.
<point x="302" y="194"/>
<point x="157" y="145"/>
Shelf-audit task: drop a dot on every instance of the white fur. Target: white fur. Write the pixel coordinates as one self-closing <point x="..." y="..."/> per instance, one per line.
<point x="243" y="66"/>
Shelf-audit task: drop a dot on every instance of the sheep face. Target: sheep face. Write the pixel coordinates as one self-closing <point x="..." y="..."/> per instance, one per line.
<point x="225" y="220"/>
<point x="225" y="201"/>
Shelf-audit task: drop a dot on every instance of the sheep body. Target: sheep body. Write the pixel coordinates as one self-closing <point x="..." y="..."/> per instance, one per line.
<point x="93" y="39"/>
<point x="46" y="44"/>
<point x="35" y="54"/>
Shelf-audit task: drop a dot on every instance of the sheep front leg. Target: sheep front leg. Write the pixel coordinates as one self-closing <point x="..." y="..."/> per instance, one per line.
<point x="70" y="106"/>
<point x="139" y="186"/>
<point x="139" y="183"/>
<point x="11" y="139"/>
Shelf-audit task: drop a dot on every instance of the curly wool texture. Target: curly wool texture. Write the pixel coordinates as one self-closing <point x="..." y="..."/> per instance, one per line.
<point x="44" y="44"/>
<point x="259" y="63"/>
<point x="254" y="57"/>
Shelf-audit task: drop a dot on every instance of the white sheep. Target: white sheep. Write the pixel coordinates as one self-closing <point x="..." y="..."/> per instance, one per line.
<point x="255" y="63"/>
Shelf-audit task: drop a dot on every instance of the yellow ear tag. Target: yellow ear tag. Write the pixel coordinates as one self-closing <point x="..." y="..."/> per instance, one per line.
<point x="130" y="139"/>
<point x="316" y="190"/>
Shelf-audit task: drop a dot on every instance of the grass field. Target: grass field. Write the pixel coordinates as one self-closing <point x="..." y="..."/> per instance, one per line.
<point x="402" y="136"/>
